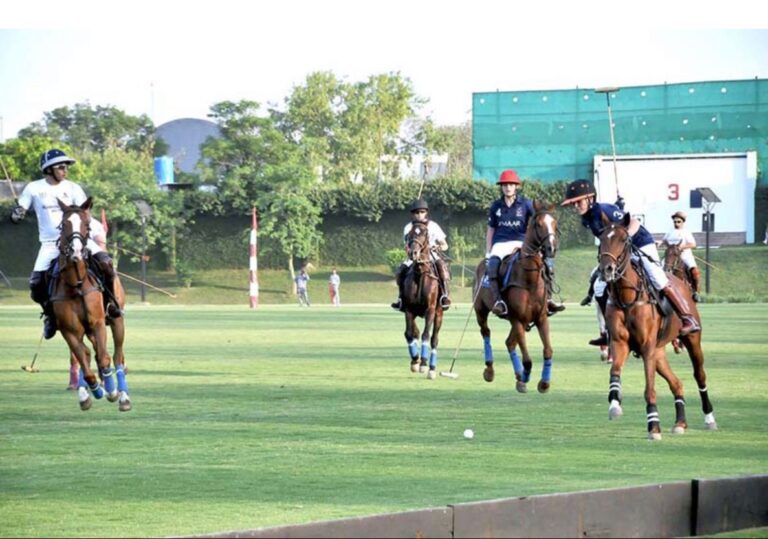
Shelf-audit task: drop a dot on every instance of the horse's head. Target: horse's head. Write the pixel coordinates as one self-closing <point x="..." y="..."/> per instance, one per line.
<point x="417" y="242"/>
<point x="672" y="257"/>
<point x="614" y="248"/>
<point x="541" y="235"/>
<point x="75" y="223"/>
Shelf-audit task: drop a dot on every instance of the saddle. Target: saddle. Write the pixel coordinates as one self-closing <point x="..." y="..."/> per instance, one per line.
<point x="94" y="271"/>
<point x="505" y="271"/>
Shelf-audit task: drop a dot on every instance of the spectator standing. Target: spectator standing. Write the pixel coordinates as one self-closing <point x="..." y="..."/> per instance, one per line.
<point x="334" y="281"/>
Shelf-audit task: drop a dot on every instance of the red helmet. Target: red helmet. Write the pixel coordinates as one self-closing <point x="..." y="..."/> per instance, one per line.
<point x="508" y="176"/>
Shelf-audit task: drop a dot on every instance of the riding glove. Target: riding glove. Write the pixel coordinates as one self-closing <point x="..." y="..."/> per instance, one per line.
<point x="17" y="214"/>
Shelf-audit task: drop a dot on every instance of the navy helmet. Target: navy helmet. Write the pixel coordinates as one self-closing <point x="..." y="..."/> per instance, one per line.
<point x="419" y="204"/>
<point x="54" y="157"/>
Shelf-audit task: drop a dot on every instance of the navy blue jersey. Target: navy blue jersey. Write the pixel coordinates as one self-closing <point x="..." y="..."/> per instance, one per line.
<point x="510" y="222"/>
<point x="593" y="221"/>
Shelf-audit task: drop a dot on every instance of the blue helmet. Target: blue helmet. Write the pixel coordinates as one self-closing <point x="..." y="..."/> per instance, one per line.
<point x="54" y="157"/>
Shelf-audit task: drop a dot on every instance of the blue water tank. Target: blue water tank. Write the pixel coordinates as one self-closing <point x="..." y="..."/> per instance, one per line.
<point x="164" y="170"/>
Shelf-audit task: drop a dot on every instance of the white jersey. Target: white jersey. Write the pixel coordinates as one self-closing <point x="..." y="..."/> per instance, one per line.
<point x="42" y="196"/>
<point x="679" y="236"/>
<point x="436" y="233"/>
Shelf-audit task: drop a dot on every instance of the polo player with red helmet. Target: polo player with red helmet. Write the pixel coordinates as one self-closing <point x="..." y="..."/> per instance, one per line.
<point x="508" y="219"/>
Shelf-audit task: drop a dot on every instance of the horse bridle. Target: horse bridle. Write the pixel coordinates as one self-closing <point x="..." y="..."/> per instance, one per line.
<point x="66" y="250"/>
<point x="539" y="241"/>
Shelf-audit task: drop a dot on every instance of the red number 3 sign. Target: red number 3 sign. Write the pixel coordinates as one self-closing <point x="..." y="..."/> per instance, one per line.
<point x="673" y="191"/>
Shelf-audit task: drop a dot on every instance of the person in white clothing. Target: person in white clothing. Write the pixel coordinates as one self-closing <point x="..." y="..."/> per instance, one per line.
<point x="334" y="281"/>
<point x="685" y="241"/>
<point x="42" y="196"/>
<point x="437" y="240"/>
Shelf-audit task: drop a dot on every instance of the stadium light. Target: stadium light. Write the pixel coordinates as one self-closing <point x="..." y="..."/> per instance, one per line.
<point x="145" y="210"/>
<point x="710" y="199"/>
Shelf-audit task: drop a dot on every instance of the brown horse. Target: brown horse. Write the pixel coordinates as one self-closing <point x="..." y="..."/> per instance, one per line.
<point x="673" y="263"/>
<point x="636" y="324"/>
<point x="421" y="292"/>
<point x="117" y="326"/>
<point x="79" y="310"/>
<point x="525" y="293"/>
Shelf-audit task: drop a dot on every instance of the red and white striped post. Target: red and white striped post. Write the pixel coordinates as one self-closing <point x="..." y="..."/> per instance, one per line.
<point x="254" y="263"/>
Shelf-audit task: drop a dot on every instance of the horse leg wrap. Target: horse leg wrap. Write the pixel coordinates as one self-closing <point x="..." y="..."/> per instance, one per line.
<point x="413" y="349"/>
<point x="679" y="410"/>
<point x="97" y="390"/>
<point x="487" y="350"/>
<point x="526" y="375"/>
<point x="424" y="350"/>
<point x="653" y="417"/>
<point x="614" y="389"/>
<point x="433" y="359"/>
<point x="517" y="364"/>
<point x="81" y="379"/>
<point x="122" y="385"/>
<point x="73" y="376"/>
<point x="706" y="406"/>
<point x="109" y="381"/>
<point x="546" y="370"/>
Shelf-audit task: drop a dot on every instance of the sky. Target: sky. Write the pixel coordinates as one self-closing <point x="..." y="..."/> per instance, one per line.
<point x="171" y="59"/>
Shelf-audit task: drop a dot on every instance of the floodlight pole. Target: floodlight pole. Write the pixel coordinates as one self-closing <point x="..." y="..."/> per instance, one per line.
<point x="143" y="257"/>
<point x="607" y="91"/>
<point x="708" y="215"/>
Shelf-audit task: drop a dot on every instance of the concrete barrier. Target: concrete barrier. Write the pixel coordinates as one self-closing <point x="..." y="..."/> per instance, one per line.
<point x="730" y="504"/>
<point x="651" y="511"/>
<point x="679" y="509"/>
<point x="424" y="523"/>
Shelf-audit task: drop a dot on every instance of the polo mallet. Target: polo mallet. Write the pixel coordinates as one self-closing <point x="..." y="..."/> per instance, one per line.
<point x="607" y="91"/>
<point x="32" y="368"/>
<point x="450" y="373"/>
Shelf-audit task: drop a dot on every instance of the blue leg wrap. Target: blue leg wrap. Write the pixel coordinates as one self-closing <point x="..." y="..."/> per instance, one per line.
<point x="433" y="359"/>
<point x="81" y="379"/>
<point x="97" y="390"/>
<point x="122" y="385"/>
<point x="109" y="381"/>
<point x="413" y="348"/>
<point x="424" y="350"/>
<point x="487" y="349"/>
<point x="546" y="370"/>
<point x="517" y="363"/>
<point x="526" y="376"/>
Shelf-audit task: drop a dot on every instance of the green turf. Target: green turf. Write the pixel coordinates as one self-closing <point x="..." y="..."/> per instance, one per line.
<point x="283" y="415"/>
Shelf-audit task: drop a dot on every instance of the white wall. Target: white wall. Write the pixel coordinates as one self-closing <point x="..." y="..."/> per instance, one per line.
<point x="656" y="186"/>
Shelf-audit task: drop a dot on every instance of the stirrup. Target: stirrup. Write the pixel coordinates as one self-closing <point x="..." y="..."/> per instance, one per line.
<point x="689" y="326"/>
<point x="398" y="305"/>
<point x="502" y="308"/>
<point x="113" y="311"/>
<point x="696" y="297"/>
<point x="445" y="302"/>
<point x="554" y="308"/>
<point x="602" y="340"/>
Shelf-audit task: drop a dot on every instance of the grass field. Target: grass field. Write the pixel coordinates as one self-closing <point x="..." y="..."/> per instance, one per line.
<point x="282" y="415"/>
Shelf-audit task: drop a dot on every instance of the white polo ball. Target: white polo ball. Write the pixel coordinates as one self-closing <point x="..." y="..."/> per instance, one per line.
<point x="469" y="434"/>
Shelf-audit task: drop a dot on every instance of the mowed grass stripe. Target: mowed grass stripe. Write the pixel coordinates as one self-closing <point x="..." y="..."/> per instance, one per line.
<point x="283" y="415"/>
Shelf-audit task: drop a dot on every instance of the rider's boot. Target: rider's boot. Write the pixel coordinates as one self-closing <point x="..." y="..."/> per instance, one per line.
<point x="549" y="278"/>
<point x="499" y="306"/>
<point x="445" y="277"/>
<point x="39" y="292"/>
<point x="108" y="273"/>
<point x="695" y="283"/>
<point x="602" y="340"/>
<point x="683" y="310"/>
<point x="400" y="279"/>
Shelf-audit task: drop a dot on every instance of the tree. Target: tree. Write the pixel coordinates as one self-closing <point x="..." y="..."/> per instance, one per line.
<point x="85" y="128"/>
<point x="21" y="157"/>
<point x="254" y="164"/>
